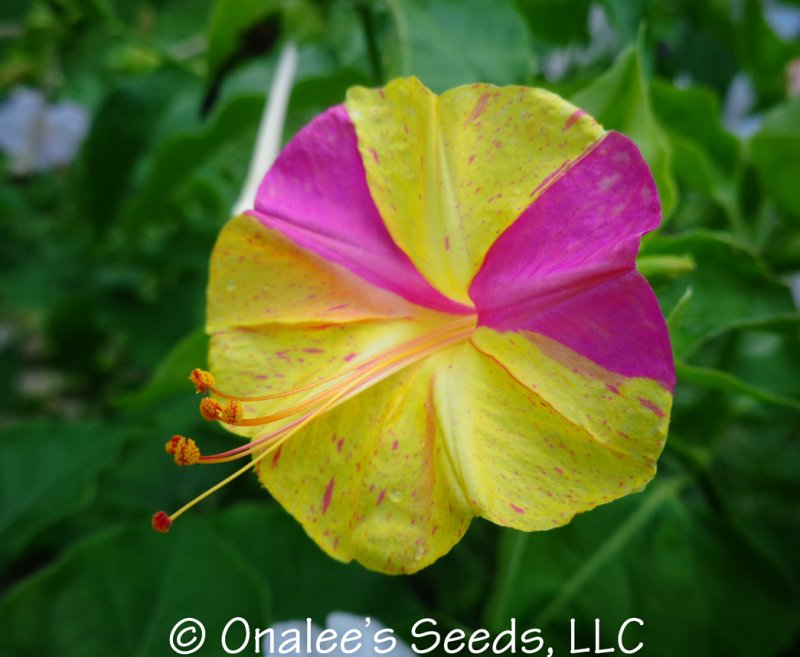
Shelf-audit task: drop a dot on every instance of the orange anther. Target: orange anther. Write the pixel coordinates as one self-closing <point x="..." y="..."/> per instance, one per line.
<point x="161" y="522"/>
<point x="232" y="413"/>
<point x="202" y="380"/>
<point x="210" y="409"/>
<point x="183" y="450"/>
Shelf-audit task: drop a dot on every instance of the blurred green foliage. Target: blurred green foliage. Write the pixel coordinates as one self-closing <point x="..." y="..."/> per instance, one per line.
<point x="103" y="266"/>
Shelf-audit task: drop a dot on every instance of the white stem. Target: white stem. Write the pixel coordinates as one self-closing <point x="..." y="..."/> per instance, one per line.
<point x="270" y="132"/>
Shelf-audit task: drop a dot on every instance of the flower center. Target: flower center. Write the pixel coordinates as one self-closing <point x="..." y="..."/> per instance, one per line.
<point x="333" y="390"/>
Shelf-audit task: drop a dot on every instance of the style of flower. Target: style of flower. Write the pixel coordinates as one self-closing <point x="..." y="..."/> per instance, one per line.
<point x="433" y="313"/>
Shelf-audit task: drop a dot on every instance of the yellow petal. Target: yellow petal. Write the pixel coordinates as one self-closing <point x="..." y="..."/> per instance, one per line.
<point x="258" y="277"/>
<point x="450" y="173"/>
<point x="539" y="433"/>
<point x="274" y="358"/>
<point x="370" y="481"/>
<point x="281" y="317"/>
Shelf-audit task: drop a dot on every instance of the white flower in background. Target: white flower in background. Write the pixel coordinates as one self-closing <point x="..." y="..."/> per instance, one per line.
<point x="38" y="136"/>
<point x="740" y="99"/>
<point x="794" y="285"/>
<point x="783" y="19"/>
<point x="374" y="638"/>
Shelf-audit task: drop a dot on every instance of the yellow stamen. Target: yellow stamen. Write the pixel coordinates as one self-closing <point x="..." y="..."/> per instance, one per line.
<point x="183" y="450"/>
<point x="210" y="409"/>
<point x="202" y="380"/>
<point x="232" y="413"/>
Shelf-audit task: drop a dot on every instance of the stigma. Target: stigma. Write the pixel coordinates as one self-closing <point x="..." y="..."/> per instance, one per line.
<point x="222" y="406"/>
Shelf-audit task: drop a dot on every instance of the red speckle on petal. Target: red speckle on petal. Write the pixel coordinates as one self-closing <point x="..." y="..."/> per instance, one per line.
<point x="349" y="357"/>
<point x="326" y="498"/>
<point x="394" y="445"/>
<point x="559" y="471"/>
<point x="313" y="350"/>
<point x="612" y="388"/>
<point x="339" y="445"/>
<point x="650" y="406"/>
<point x="479" y="108"/>
<point x="516" y="508"/>
<point x="375" y="155"/>
<point x="276" y="456"/>
<point x="381" y="495"/>
<point x="573" y="119"/>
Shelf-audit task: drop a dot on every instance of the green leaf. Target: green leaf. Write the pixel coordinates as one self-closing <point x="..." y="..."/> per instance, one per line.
<point x="755" y="475"/>
<point x="556" y="22"/>
<point x="661" y="556"/>
<point x="314" y="94"/>
<point x="729" y="289"/>
<point x="122" y="591"/>
<point x="726" y="382"/>
<point x="48" y="472"/>
<point x="626" y="17"/>
<point x="230" y="19"/>
<point x="117" y="144"/>
<point x="184" y="155"/>
<point x="172" y="376"/>
<point x="770" y="357"/>
<point x="761" y="52"/>
<point x="620" y="100"/>
<point x="706" y="157"/>
<point x="446" y="43"/>
<point x="179" y="23"/>
<point x="775" y="152"/>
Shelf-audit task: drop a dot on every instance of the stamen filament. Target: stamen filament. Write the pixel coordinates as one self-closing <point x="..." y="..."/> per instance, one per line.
<point x="461" y="323"/>
<point x="356" y="384"/>
<point x="357" y="379"/>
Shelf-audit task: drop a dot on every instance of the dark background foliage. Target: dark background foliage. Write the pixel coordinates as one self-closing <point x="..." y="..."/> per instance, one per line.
<point x="103" y="266"/>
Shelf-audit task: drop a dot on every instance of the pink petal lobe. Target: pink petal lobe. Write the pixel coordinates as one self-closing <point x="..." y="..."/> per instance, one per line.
<point x="566" y="267"/>
<point x="316" y="194"/>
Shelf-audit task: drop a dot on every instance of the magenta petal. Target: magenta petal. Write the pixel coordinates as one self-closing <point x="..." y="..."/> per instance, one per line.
<point x="565" y="268"/>
<point x="616" y="324"/>
<point x="316" y="194"/>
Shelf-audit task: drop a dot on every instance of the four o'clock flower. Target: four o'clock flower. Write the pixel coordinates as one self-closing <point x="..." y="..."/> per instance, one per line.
<point x="433" y="313"/>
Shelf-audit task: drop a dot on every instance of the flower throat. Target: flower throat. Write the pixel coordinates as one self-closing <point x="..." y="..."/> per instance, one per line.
<point x="334" y="390"/>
